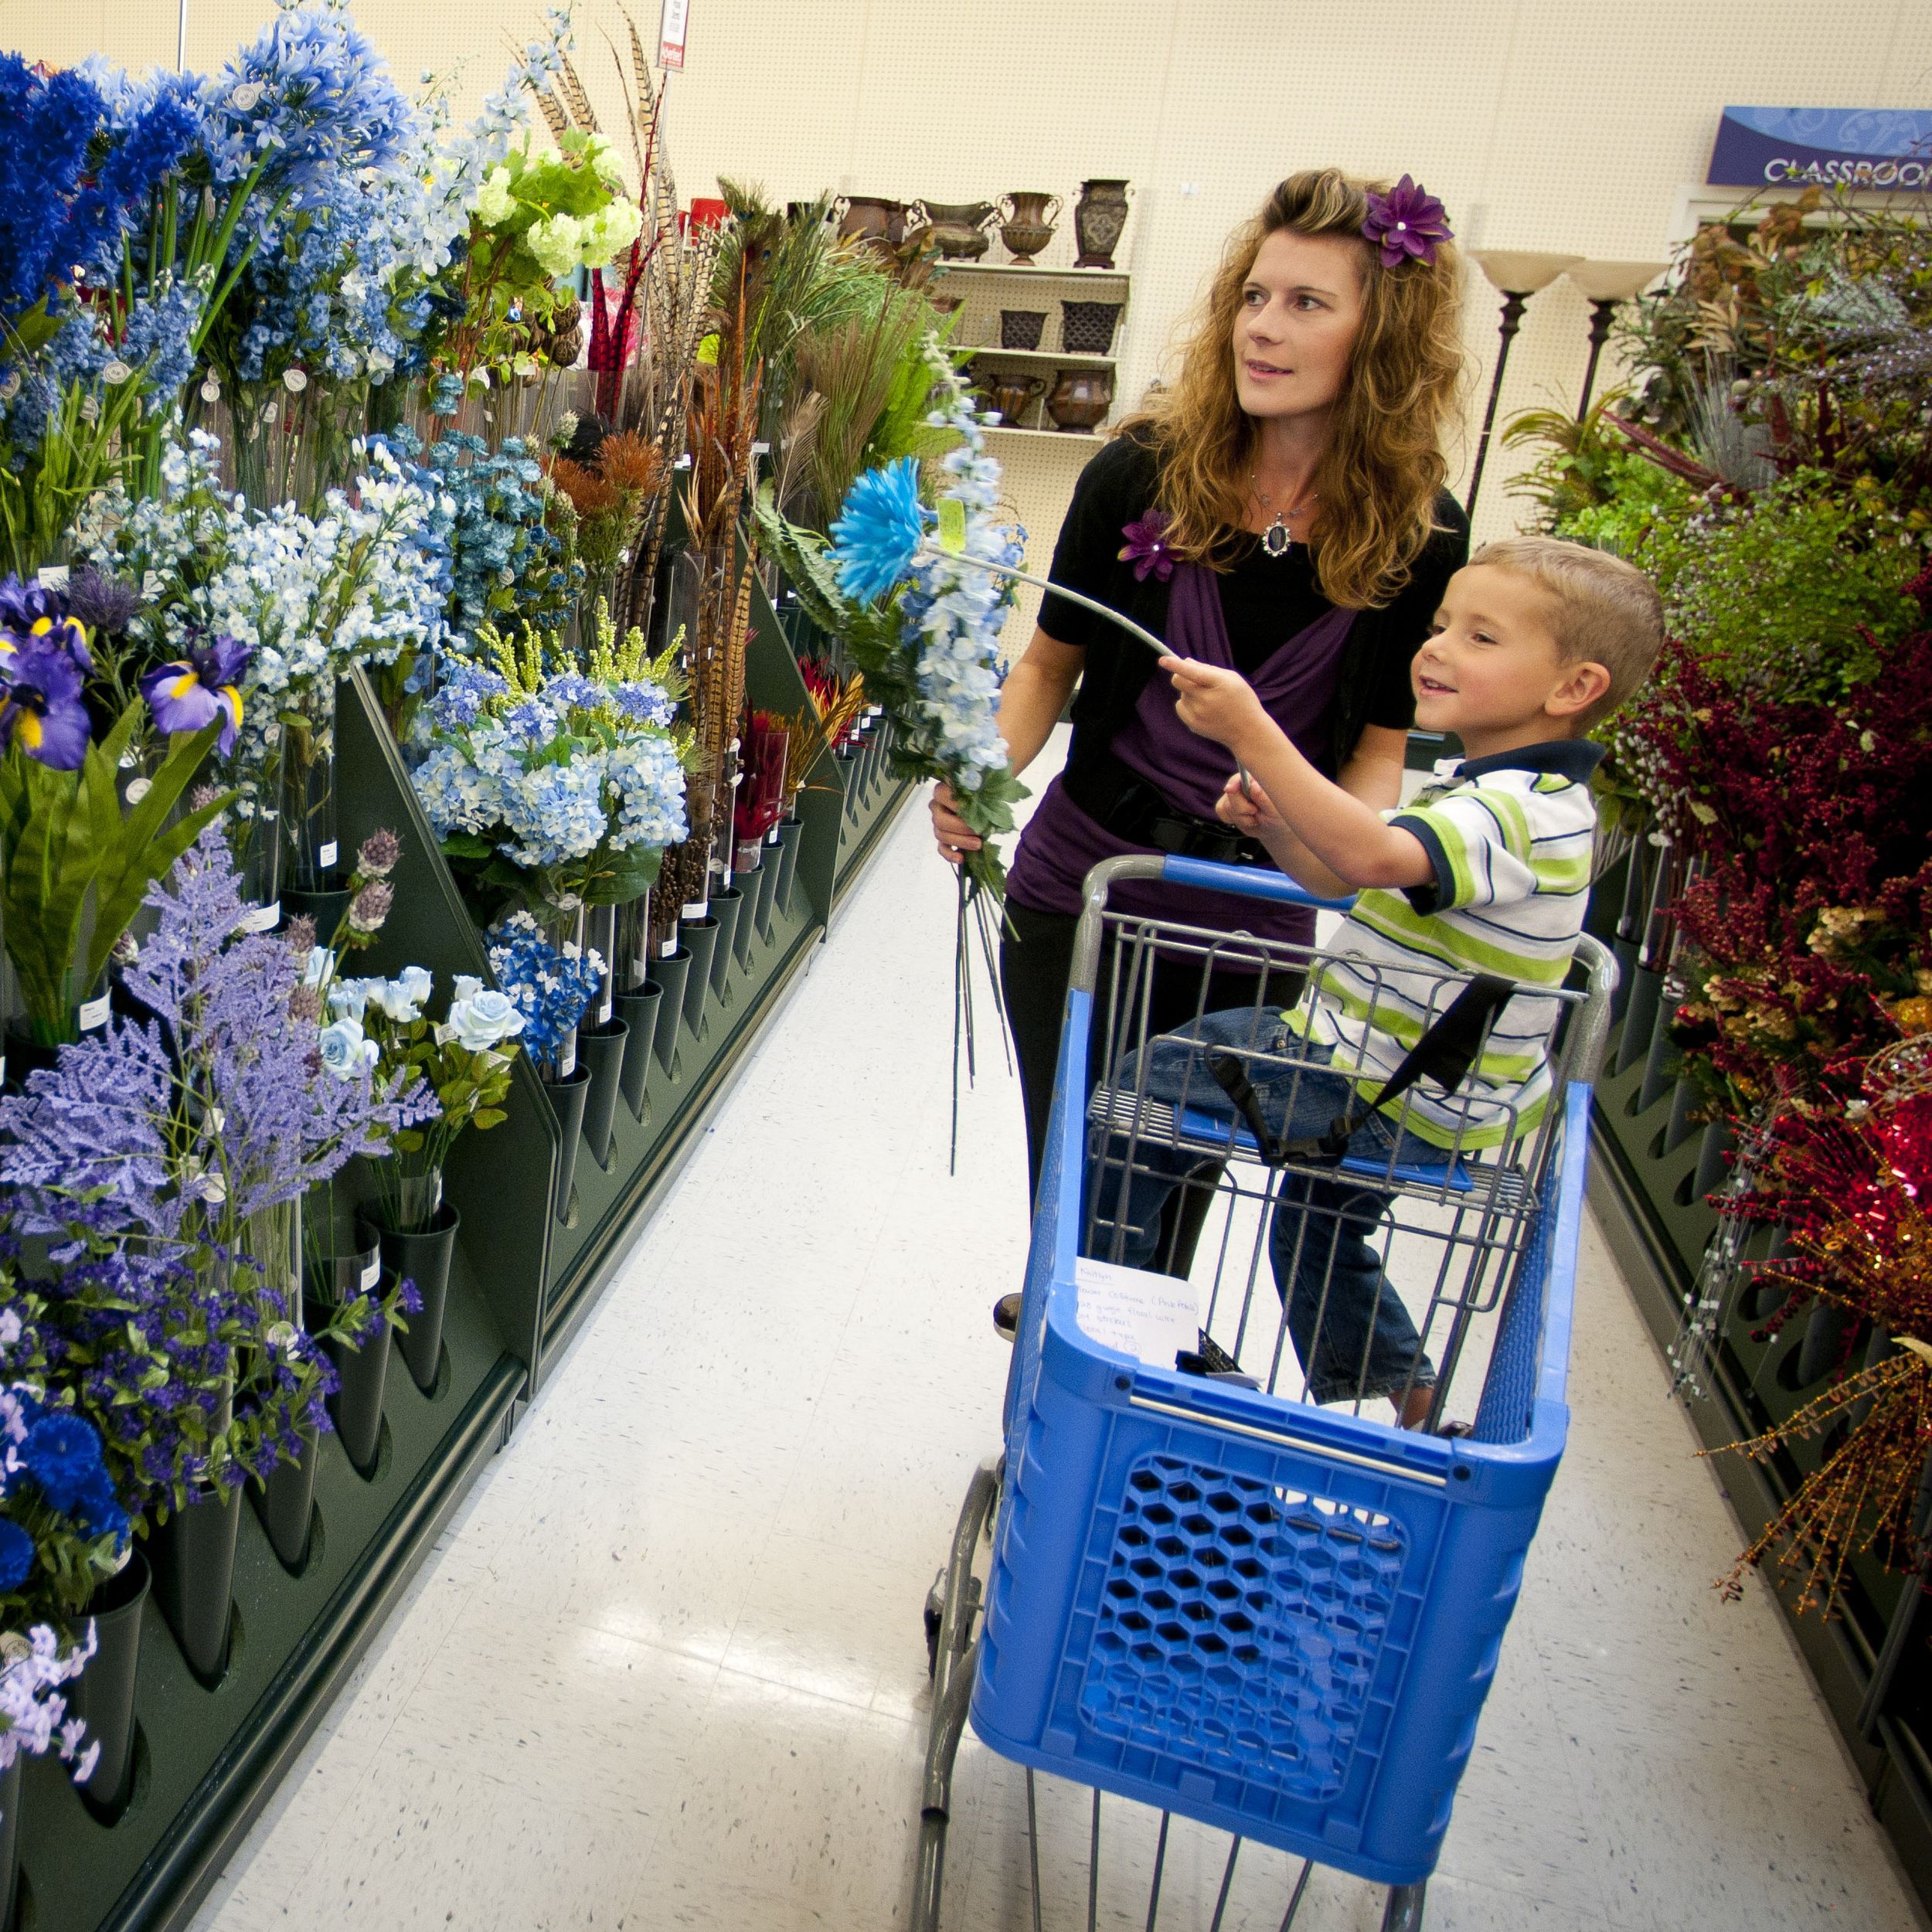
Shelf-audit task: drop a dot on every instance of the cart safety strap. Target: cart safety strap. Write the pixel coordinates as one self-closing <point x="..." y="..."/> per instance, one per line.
<point x="1444" y="1054"/>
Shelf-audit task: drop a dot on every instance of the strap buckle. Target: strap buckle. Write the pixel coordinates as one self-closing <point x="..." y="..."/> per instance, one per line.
<point x="1444" y="1054"/>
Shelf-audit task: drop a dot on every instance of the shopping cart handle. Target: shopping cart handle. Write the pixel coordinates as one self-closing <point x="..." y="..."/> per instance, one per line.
<point x="1251" y="882"/>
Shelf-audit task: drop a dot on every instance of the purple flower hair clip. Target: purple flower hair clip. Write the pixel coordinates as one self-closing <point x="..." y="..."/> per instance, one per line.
<point x="1146" y="547"/>
<point x="1407" y="223"/>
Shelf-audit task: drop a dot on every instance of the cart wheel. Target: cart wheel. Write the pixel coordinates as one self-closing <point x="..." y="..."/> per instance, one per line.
<point x="1404" y="1913"/>
<point x="935" y="1610"/>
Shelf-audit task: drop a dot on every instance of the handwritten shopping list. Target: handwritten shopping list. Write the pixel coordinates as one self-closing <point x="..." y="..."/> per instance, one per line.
<point x="1152" y="1317"/>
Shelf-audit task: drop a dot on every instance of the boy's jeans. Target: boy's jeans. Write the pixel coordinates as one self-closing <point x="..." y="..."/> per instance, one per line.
<point x="1326" y="1270"/>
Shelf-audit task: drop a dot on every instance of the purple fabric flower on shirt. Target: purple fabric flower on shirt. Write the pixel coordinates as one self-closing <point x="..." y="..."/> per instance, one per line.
<point x="43" y="712"/>
<point x="1406" y="223"/>
<point x="192" y="692"/>
<point x="1146" y="547"/>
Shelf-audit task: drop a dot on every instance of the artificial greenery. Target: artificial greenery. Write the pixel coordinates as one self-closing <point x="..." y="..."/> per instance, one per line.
<point x="68" y="844"/>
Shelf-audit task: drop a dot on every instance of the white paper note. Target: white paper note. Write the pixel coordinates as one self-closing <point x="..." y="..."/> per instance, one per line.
<point x="1153" y="1317"/>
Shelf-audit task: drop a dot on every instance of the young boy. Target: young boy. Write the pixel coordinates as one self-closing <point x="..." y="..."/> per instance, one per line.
<point x="1486" y="871"/>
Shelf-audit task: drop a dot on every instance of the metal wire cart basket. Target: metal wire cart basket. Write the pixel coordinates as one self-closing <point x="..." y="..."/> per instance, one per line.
<point x="1205" y="1593"/>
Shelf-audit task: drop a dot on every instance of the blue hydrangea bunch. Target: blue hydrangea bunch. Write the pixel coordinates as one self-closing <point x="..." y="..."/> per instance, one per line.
<point x="557" y="782"/>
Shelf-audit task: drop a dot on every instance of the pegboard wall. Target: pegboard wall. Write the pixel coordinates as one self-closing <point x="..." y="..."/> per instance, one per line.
<point x="1568" y="128"/>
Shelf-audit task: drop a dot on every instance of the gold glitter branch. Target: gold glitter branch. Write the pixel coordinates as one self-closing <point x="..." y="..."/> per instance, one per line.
<point x="1864" y="1497"/>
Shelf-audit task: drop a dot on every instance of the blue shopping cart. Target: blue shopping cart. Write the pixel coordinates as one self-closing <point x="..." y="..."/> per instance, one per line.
<point x="1183" y="1583"/>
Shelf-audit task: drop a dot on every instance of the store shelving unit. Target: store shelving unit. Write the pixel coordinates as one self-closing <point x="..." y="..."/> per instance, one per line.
<point x="990" y="286"/>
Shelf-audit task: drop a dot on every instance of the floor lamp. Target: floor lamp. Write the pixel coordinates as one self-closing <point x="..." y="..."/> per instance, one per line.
<point x="1607" y="285"/>
<point x="1516" y="275"/>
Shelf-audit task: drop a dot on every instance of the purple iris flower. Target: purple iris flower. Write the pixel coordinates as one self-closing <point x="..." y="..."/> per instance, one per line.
<point x="43" y="712"/>
<point x="1406" y="223"/>
<point x="192" y="692"/>
<point x="1146" y="547"/>
<point x="35" y="612"/>
<point x="22" y="605"/>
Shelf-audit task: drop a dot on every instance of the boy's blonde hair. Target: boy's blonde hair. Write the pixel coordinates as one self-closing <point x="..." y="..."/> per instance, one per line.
<point x="1603" y="609"/>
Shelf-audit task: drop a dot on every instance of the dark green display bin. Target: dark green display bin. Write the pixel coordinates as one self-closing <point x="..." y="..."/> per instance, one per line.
<point x="207" y="1760"/>
<point x="1871" y="1657"/>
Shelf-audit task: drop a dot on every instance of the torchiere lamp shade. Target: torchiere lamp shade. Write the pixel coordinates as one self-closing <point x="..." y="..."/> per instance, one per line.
<point x="1614" y="281"/>
<point x="1521" y="271"/>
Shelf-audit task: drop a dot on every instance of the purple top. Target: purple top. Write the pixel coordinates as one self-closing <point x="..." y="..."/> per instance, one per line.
<point x="1061" y="844"/>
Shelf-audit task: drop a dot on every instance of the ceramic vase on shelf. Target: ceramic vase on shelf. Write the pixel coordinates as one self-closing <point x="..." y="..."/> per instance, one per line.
<point x="1099" y="216"/>
<point x="1022" y="327"/>
<point x="958" y="227"/>
<point x="872" y="220"/>
<point x="1079" y="399"/>
<point x="1012" y="394"/>
<point x="1086" y="328"/>
<point x="1028" y="225"/>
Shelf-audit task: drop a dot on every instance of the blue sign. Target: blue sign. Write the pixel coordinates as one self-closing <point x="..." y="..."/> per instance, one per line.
<point x="1874" y="148"/>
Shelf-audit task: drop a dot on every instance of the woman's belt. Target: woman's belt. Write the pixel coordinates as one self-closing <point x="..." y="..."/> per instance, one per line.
<point x="1119" y="801"/>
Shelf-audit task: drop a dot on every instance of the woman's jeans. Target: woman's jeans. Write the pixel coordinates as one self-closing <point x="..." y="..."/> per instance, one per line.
<point x="1353" y="1335"/>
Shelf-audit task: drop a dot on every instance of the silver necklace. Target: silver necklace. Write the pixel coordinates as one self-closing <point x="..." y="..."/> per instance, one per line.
<point x="1277" y="540"/>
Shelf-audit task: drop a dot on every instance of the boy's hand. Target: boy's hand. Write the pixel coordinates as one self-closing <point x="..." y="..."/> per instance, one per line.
<point x="1214" y="703"/>
<point x="1250" y="811"/>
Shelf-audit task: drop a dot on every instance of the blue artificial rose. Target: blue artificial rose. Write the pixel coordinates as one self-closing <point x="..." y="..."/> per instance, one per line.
<point x="348" y="998"/>
<point x="344" y="1050"/>
<point x="319" y="965"/>
<point x="416" y="983"/>
<point x="484" y="1019"/>
<point x="16" y="1556"/>
<point x="393" y="997"/>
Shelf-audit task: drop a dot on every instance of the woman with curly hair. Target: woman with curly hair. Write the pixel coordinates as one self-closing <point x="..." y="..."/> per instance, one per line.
<point x="1282" y="512"/>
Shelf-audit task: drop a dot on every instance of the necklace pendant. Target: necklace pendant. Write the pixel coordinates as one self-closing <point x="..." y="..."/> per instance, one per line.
<point x="1275" y="539"/>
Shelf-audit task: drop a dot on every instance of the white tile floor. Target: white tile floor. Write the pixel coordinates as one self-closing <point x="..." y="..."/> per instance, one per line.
<point x="666" y="1668"/>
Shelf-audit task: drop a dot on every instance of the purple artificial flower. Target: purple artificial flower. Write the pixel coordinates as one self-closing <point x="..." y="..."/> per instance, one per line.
<point x="25" y="606"/>
<point x="379" y="855"/>
<point x="1146" y="547"/>
<point x="34" y="613"/>
<point x="190" y="693"/>
<point x="96" y="1143"/>
<point x="43" y="712"/>
<point x="1406" y="223"/>
<point x="104" y="603"/>
<point x="370" y="906"/>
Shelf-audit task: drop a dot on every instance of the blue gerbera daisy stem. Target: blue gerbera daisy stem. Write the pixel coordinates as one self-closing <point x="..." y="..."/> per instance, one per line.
<point x="933" y="551"/>
<point x="930" y="553"/>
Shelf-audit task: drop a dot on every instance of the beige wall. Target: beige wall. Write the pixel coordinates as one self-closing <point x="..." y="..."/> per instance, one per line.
<point x="1549" y="126"/>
